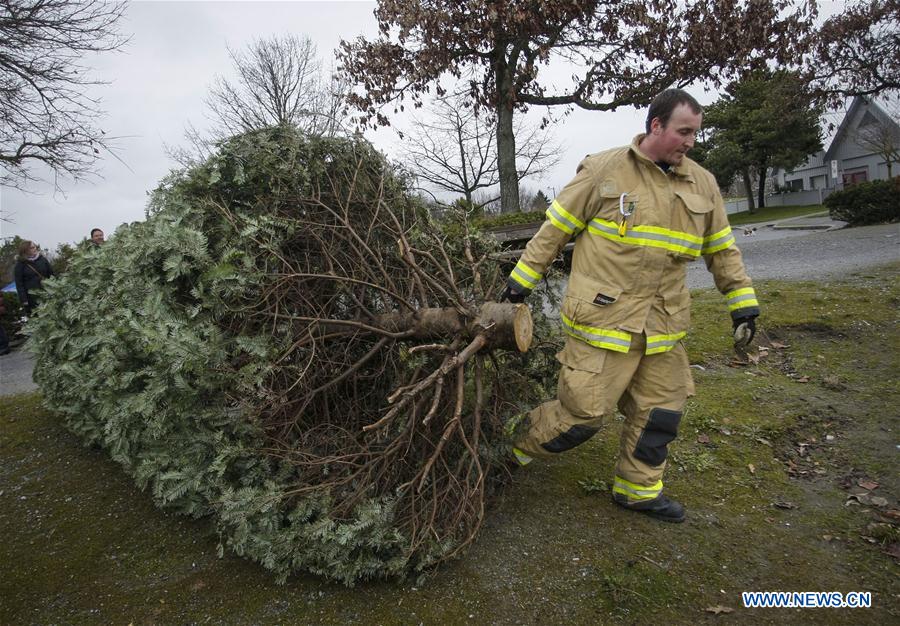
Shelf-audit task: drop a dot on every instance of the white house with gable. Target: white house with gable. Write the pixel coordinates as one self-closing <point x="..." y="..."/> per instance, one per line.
<point x="849" y="156"/>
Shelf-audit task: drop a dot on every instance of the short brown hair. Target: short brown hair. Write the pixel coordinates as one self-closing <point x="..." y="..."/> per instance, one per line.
<point x="23" y="247"/>
<point x="663" y="105"/>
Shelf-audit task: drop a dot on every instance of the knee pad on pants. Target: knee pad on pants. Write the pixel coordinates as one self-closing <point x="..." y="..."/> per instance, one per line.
<point x="661" y="429"/>
<point x="575" y="436"/>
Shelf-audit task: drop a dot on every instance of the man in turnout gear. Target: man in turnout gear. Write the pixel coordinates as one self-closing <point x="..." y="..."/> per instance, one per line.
<point x="639" y="215"/>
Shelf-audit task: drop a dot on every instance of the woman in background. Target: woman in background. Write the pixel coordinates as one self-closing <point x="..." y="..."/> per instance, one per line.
<point x="30" y="271"/>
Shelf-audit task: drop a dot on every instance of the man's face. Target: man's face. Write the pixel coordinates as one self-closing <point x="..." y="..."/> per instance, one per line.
<point x="97" y="236"/>
<point x="673" y="140"/>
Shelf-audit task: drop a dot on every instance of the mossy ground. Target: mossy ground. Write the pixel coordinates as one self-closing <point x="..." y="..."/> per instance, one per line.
<point x="769" y="213"/>
<point x="82" y="545"/>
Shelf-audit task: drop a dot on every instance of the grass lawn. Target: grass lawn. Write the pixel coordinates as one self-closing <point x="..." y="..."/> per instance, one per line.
<point x="768" y="214"/>
<point x="787" y="464"/>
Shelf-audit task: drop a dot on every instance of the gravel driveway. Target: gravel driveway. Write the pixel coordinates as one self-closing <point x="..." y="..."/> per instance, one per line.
<point x="792" y="255"/>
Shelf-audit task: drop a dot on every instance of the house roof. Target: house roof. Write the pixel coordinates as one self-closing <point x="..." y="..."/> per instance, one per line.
<point x="876" y="106"/>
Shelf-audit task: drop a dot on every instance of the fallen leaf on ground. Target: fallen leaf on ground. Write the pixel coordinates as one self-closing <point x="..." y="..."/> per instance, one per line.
<point x="764" y="441"/>
<point x="833" y="382"/>
<point x="778" y="345"/>
<point x="752" y="468"/>
<point x="858" y="498"/>
<point x="718" y="610"/>
<point x="892" y="514"/>
<point x="893" y="550"/>
<point x="803" y="379"/>
<point x="780" y="504"/>
<point x="827" y="537"/>
<point x="702" y="438"/>
<point x="878" y="501"/>
<point x="867" y="484"/>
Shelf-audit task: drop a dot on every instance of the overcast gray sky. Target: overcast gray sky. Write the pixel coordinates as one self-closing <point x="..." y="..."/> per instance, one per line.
<point x="156" y="87"/>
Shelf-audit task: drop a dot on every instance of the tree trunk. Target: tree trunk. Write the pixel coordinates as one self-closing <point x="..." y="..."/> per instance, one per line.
<point x="748" y="186"/>
<point x="506" y="139"/>
<point x="762" y="185"/>
<point x="505" y="325"/>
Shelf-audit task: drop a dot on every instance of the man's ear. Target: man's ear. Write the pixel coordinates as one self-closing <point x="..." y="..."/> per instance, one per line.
<point x="656" y="126"/>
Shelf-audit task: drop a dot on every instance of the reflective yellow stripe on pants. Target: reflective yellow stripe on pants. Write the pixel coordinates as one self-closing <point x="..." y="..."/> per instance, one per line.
<point x="636" y="492"/>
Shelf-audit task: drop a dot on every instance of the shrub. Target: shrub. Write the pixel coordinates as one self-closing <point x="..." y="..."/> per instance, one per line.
<point x="11" y="319"/>
<point x="509" y="219"/>
<point x="876" y="202"/>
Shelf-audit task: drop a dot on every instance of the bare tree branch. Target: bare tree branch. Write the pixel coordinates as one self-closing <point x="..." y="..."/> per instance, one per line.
<point x="45" y="115"/>
<point x="454" y="149"/>
<point x="279" y="81"/>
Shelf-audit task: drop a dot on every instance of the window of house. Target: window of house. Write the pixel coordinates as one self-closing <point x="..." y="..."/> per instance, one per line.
<point x="852" y="177"/>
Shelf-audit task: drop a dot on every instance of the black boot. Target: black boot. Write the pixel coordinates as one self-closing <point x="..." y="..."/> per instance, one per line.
<point x="659" y="507"/>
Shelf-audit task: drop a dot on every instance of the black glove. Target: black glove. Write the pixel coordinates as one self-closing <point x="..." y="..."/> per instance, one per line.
<point x="744" y="329"/>
<point x="511" y="295"/>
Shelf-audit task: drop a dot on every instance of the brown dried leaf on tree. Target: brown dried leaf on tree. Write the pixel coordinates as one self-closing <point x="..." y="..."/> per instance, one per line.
<point x="856" y="52"/>
<point x="628" y="52"/>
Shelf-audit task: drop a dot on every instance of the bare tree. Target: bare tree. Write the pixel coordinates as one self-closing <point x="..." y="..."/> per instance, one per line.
<point x="45" y="115"/>
<point x="881" y="135"/>
<point x="454" y="149"/>
<point x="279" y="81"/>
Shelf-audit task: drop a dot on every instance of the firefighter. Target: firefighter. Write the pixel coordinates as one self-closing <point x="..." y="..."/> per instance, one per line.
<point x="639" y="214"/>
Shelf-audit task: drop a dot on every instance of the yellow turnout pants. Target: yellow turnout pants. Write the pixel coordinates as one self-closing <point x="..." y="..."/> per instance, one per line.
<point x="649" y="390"/>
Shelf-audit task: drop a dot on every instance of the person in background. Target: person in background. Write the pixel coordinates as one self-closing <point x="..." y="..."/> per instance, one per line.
<point x="97" y="236"/>
<point x="30" y="271"/>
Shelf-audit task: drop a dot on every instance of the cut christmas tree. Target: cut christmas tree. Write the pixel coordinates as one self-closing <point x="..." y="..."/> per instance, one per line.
<point x="290" y="344"/>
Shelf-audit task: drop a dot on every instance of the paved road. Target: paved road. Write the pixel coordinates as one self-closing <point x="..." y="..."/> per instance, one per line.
<point x="809" y="255"/>
<point x="782" y="252"/>
<point x="15" y="373"/>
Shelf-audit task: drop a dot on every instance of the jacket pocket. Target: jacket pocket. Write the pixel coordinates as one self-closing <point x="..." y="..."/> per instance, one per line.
<point x="678" y="312"/>
<point x="593" y="311"/>
<point x="592" y="302"/>
<point x="690" y="217"/>
<point x="611" y="202"/>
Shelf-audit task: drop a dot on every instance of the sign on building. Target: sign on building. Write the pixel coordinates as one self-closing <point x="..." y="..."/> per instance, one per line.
<point x="834" y="169"/>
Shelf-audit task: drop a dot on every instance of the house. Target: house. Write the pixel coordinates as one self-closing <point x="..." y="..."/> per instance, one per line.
<point x="850" y="155"/>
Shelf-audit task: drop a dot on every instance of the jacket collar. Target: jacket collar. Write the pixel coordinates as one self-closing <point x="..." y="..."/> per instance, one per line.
<point x="682" y="170"/>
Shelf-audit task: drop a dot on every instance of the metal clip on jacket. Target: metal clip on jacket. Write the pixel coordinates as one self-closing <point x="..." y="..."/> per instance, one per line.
<point x="623" y="227"/>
